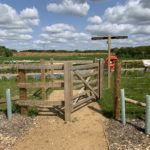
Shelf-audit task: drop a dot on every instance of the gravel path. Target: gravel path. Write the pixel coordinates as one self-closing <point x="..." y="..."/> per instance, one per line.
<point x="11" y="130"/>
<point x="128" y="137"/>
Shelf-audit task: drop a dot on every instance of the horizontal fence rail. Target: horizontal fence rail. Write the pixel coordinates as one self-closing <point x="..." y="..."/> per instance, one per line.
<point x="39" y="67"/>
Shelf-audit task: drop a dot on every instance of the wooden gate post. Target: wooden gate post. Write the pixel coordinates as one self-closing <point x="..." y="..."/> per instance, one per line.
<point x="117" y="86"/>
<point x="22" y="91"/>
<point x="43" y="80"/>
<point x="97" y="76"/>
<point x="101" y="72"/>
<point x="68" y="90"/>
<point x="100" y="77"/>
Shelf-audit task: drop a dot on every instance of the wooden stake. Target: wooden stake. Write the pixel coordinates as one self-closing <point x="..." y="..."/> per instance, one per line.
<point x="117" y="84"/>
<point x="68" y="90"/>
<point x="101" y="78"/>
<point x="22" y="91"/>
<point x="43" y="80"/>
<point x="109" y="55"/>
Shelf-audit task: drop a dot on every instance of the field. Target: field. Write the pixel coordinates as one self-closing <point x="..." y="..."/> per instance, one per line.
<point x="133" y="80"/>
<point x="55" y="56"/>
<point x="135" y="83"/>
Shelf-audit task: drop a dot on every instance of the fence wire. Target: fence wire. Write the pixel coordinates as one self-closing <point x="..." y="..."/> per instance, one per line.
<point x="136" y="83"/>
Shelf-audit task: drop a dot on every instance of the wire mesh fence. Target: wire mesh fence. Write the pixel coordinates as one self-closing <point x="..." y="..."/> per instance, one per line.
<point x="136" y="83"/>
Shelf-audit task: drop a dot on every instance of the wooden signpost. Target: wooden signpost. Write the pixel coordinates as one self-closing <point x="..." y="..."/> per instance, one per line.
<point x="109" y="38"/>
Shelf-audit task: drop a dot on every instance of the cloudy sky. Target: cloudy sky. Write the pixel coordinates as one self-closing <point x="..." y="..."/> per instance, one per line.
<point x="70" y="24"/>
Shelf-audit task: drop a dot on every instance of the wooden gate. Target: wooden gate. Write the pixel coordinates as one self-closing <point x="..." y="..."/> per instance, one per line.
<point x="82" y="83"/>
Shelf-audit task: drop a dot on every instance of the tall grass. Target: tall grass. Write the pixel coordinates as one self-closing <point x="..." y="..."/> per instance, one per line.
<point x="136" y="85"/>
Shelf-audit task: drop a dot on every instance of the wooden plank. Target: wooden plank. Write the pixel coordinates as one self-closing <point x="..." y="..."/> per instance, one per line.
<point x="3" y="101"/>
<point x="85" y="67"/>
<point x="109" y="54"/>
<point x="101" y="71"/>
<point x="133" y="69"/>
<point x="40" y="66"/>
<point x="106" y="37"/>
<point x="93" y="82"/>
<point x="86" y="83"/>
<point x="130" y="61"/>
<point x="83" y="101"/>
<point x="135" y="102"/>
<point x="82" y="85"/>
<point x="98" y="78"/>
<point x="95" y="88"/>
<point x="82" y="90"/>
<point x="88" y="73"/>
<point x="73" y="61"/>
<point x="22" y="90"/>
<point x="43" y="79"/>
<point x="78" y="86"/>
<point x="117" y="84"/>
<point x="80" y="94"/>
<point x="40" y="85"/>
<point x="38" y="103"/>
<point x="68" y="90"/>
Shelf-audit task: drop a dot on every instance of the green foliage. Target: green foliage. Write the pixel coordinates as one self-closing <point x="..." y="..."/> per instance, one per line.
<point x="64" y="51"/>
<point x="136" y="85"/>
<point x="5" y="52"/>
<point x="8" y="84"/>
<point x="33" y="111"/>
<point x="15" y="108"/>
<point x="132" y="52"/>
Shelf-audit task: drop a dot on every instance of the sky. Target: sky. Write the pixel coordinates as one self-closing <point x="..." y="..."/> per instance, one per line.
<point x="70" y="24"/>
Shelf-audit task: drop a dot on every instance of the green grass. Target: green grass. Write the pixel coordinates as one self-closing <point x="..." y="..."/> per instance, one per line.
<point x="11" y="84"/>
<point x="136" y="85"/>
<point x="78" y="57"/>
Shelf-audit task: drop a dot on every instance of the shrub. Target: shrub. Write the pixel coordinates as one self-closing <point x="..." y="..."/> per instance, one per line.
<point x="33" y="111"/>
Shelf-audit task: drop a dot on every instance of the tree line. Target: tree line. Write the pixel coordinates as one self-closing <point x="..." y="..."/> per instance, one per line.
<point x="123" y="52"/>
<point x="139" y="52"/>
<point x="6" y="52"/>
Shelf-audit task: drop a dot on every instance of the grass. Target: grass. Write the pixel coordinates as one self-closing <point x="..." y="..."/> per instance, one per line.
<point x="5" y="84"/>
<point x="136" y="85"/>
<point x="78" y="57"/>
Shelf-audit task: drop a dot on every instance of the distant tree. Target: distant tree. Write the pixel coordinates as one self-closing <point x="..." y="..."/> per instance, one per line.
<point x="133" y="52"/>
<point x="5" y="52"/>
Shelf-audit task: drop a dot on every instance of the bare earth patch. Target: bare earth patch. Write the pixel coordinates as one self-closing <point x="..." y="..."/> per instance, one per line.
<point x="85" y="132"/>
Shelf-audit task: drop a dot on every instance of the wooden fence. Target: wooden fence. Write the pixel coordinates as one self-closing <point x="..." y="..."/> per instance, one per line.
<point x="117" y="88"/>
<point x="86" y="79"/>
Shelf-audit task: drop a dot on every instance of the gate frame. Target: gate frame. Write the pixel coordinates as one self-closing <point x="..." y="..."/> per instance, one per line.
<point x="68" y="69"/>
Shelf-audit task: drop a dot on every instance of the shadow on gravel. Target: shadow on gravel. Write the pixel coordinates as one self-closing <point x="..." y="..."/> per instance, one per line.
<point x="129" y="123"/>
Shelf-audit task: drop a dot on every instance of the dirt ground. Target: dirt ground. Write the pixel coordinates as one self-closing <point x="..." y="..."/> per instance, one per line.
<point x="85" y="132"/>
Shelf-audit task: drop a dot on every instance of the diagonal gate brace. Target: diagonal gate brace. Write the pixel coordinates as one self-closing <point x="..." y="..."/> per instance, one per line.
<point x="85" y="82"/>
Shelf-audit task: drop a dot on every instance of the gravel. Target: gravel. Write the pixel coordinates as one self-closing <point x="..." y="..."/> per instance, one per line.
<point x="128" y="137"/>
<point x="11" y="130"/>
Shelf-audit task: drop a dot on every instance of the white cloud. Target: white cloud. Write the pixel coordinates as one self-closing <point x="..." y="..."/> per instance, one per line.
<point x="145" y="3"/>
<point x="56" y="28"/>
<point x="29" y="13"/>
<point x="15" y="25"/>
<point x="132" y="12"/>
<point x="95" y="20"/>
<point x="79" y="7"/>
<point x="62" y="35"/>
<point x="132" y="19"/>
